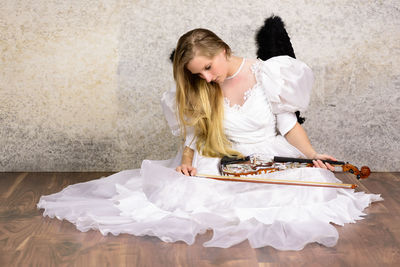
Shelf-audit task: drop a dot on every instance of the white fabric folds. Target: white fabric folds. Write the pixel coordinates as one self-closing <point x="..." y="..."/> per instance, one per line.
<point x="155" y="200"/>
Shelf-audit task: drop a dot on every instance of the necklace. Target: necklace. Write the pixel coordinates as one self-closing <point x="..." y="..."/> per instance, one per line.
<point x="237" y="72"/>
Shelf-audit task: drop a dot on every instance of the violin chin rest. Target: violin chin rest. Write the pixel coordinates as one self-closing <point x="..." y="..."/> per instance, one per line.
<point x="365" y="172"/>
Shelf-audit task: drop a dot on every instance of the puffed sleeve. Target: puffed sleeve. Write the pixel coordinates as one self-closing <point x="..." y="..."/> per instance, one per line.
<point x="287" y="83"/>
<point x="168" y="106"/>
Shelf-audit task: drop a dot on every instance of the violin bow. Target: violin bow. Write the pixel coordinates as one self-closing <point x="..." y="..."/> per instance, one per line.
<point x="255" y="179"/>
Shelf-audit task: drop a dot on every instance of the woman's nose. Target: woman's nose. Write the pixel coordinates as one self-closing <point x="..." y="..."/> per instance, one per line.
<point x="207" y="77"/>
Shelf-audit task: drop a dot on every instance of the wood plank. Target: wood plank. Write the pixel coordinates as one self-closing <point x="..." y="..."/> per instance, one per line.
<point x="29" y="239"/>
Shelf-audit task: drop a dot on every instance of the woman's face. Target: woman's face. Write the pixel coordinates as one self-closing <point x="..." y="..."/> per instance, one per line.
<point x="210" y="69"/>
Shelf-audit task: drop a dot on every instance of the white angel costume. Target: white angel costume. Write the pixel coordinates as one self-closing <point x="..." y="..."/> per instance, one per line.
<point x="156" y="200"/>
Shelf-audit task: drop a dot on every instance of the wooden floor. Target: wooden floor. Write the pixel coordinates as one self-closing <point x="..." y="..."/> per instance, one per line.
<point x="28" y="239"/>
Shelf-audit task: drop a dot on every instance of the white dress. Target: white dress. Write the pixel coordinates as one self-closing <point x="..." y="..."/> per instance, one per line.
<point x="155" y="200"/>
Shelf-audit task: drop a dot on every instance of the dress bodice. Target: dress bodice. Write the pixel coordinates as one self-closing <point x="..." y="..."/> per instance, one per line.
<point x="282" y="87"/>
<point x="251" y="122"/>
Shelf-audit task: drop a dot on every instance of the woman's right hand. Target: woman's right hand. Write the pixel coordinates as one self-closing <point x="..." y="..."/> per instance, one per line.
<point x="319" y="164"/>
<point x="186" y="170"/>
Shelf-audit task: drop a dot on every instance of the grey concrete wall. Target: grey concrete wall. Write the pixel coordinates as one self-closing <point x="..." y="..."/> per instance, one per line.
<point x="80" y="81"/>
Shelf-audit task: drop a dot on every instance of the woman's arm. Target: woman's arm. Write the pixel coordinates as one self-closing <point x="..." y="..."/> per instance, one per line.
<point x="186" y="164"/>
<point x="297" y="137"/>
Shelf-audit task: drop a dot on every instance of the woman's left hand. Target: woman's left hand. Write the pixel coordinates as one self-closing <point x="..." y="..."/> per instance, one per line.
<point x="319" y="164"/>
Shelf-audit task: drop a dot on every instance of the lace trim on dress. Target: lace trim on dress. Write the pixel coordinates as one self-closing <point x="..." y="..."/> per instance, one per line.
<point x="249" y="92"/>
<point x="256" y="69"/>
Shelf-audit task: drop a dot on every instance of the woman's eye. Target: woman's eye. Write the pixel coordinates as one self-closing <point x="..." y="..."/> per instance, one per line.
<point x="208" y="67"/>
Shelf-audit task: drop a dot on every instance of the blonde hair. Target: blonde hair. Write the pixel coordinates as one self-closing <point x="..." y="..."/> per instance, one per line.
<point x="200" y="104"/>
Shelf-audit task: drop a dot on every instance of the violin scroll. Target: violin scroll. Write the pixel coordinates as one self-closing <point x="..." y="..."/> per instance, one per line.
<point x="364" y="173"/>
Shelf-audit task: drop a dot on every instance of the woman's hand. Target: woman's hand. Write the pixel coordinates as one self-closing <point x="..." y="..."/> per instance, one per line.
<point x="186" y="167"/>
<point x="186" y="170"/>
<point x="319" y="164"/>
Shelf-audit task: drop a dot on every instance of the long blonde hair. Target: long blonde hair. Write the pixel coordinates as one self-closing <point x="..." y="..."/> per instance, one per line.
<point x="200" y="104"/>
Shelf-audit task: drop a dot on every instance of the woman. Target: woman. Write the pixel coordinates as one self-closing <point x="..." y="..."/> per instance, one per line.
<point x="226" y="106"/>
<point x="207" y="75"/>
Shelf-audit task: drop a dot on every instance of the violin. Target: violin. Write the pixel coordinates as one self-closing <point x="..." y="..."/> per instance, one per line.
<point x="257" y="164"/>
<point x="251" y="168"/>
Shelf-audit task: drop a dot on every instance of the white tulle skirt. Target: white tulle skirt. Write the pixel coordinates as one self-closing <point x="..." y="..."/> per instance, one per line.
<point x="155" y="200"/>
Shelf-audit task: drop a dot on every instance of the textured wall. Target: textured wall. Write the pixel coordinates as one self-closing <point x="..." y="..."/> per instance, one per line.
<point x="59" y="84"/>
<point x="80" y="81"/>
